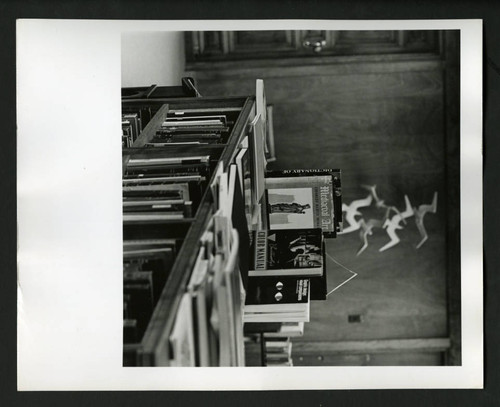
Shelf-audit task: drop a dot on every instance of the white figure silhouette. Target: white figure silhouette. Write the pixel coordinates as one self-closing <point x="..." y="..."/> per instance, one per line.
<point x="351" y="211"/>
<point x="393" y="224"/>
<point x="380" y="203"/>
<point x="419" y="218"/>
<point x="366" y="229"/>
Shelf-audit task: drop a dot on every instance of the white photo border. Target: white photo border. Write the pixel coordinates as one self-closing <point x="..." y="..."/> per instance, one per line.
<point x="70" y="230"/>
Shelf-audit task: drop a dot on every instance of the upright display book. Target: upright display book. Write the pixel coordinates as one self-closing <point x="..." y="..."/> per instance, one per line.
<point x="287" y="252"/>
<point x="305" y="198"/>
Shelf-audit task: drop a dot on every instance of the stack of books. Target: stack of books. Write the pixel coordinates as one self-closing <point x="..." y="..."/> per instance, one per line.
<point x="282" y="265"/>
<point x="165" y="188"/>
<point x="131" y="128"/>
<point x="195" y="128"/>
<point x="214" y="299"/>
<point x="278" y="352"/>
<point x="287" y="260"/>
<point x="160" y="198"/>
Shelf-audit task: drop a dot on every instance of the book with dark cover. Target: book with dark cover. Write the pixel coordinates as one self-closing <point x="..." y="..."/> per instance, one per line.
<point x="287" y="252"/>
<point x="140" y="306"/>
<point x="277" y="294"/>
<point x="130" y="331"/>
<point x="239" y="222"/>
<point x="130" y="354"/>
<point x="258" y="327"/>
<point x="319" y="284"/>
<point x="244" y="164"/>
<point x="157" y="259"/>
<point x="335" y="184"/>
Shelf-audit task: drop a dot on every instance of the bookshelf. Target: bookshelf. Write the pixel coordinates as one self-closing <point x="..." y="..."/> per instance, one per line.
<point x="153" y="348"/>
<point x="196" y="198"/>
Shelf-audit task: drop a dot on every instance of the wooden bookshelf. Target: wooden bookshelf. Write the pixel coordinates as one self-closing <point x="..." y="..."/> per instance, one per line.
<point x="153" y="349"/>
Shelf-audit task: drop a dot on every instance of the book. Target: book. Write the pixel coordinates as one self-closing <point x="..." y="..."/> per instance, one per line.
<point x="276" y="316"/>
<point x="301" y="202"/>
<point x="142" y="180"/>
<point x="270" y="148"/>
<point x="181" y="338"/>
<point x="239" y="221"/>
<point x="323" y="194"/>
<point x="243" y="163"/>
<point x="232" y="281"/>
<point x="153" y="216"/>
<point x="145" y="255"/>
<point x="277" y="294"/>
<point x="130" y="331"/>
<point x="256" y="141"/>
<point x="287" y="252"/>
<point x="262" y="327"/>
<point x="287" y="329"/>
<point x="197" y="287"/>
<point x="140" y="305"/>
<point x="145" y="162"/>
<point x="165" y="190"/>
<point x="164" y="170"/>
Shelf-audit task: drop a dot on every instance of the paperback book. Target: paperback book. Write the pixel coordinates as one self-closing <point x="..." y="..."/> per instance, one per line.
<point x="277" y="294"/>
<point x="305" y="198"/>
<point x="287" y="252"/>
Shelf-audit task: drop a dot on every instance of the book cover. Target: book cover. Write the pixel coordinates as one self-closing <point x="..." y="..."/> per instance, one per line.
<point x="301" y="202"/>
<point x="334" y="197"/>
<point x="277" y="294"/>
<point x="286" y="252"/>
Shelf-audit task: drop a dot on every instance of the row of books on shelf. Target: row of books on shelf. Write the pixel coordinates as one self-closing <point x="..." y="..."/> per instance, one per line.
<point x="192" y="128"/>
<point x="164" y="191"/>
<point x="146" y="266"/>
<point x="208" y="329"/>
<point x="165" y="188"/>
<point x="215" y="295"/>
<point x="260" y="258"/>
<point x="131" y="128"/>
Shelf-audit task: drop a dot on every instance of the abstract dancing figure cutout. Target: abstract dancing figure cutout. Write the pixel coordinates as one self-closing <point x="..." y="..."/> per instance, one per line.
<point x="393" y="224"/>
<point x="419" y="217"/>
<point x="351" y="211"/>
<point x="380" y="203"/>
<point x="366" y="229"/>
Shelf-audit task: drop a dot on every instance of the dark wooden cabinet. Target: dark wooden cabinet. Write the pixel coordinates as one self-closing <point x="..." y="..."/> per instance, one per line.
<point x="234" y="45"/>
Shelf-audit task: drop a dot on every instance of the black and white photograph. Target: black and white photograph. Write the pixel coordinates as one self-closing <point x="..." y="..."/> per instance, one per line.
<point x="210" y="135"/>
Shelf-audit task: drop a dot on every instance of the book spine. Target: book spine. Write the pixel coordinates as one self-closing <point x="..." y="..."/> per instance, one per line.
<point x="260" y="254"/>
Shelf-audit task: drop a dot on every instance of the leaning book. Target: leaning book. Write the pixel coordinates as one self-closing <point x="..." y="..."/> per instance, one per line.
<point x="286" y="252"/>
